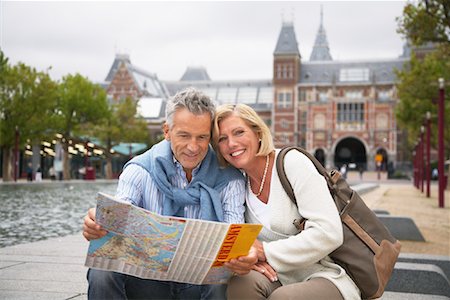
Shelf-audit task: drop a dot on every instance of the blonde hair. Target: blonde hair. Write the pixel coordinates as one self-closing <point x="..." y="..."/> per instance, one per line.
<point x="252" y="119"/>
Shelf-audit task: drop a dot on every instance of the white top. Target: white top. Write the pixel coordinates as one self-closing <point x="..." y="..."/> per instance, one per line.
<point x="259" y="208"/>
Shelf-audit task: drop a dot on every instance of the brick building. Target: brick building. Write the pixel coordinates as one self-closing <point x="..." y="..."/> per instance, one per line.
<point x="341" y="111"/>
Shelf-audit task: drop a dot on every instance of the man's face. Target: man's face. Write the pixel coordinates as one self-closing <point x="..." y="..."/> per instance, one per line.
<point x="189" y="138"/>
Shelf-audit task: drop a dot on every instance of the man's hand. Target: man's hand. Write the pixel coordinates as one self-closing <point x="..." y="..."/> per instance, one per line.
<point x="259" y="250"/>
<point x="243" y="264"/>
<point x="92" y="230"/>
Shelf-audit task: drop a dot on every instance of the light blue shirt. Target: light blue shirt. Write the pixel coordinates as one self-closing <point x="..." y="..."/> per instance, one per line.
<point x="137" y="187"/>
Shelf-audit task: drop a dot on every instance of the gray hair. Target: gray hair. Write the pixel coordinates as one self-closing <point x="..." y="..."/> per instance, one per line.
<point x="195" y="101"/>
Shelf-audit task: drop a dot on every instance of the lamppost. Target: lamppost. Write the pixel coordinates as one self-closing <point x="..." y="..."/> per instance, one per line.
<point x="422" y="163"/>
<point x="415" y="166"/>
<point x="441" y="156"/>
<point x="428" y="168"/>
<point x="16" y="153"/>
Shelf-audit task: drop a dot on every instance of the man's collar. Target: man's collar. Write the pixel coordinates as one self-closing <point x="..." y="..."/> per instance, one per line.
<point x="179" y="165"/>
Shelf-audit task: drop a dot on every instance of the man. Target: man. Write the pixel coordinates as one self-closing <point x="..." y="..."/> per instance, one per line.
<point x="179" y="176"/>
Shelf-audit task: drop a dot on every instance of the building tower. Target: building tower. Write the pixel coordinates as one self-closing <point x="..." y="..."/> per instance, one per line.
<point x="286" y="72"/>
<point x="321" y="51"/>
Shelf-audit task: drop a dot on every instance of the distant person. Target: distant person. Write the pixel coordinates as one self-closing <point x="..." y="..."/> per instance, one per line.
<point x="434" y="174"/>
<point x="179" y="176"/>
<point x="52" y="173"/>
<point x="38" y="176"/>
<point x="29" y="171"/>
<point x="361" y="172"/>
<point x="343" y="171"/>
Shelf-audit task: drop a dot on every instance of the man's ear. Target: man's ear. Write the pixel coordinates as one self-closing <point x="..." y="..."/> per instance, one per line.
<point x="166" y="131"/>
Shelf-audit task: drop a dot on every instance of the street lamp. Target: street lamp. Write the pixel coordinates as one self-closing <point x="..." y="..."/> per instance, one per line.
<point x="16" y="153"/>
<point x="422" y="163"/>
<point x="428" y="169"/>
<point x="441" y="171"/>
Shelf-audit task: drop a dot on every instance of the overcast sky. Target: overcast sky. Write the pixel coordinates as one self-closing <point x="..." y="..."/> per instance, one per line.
<point x="233" y="40"/>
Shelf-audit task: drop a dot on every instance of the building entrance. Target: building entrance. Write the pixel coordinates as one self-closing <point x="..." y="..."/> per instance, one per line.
<point x="350" y="151"/>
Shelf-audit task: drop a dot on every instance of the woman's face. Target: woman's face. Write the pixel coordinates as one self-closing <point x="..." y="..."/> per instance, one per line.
<point x="237" y="142"/>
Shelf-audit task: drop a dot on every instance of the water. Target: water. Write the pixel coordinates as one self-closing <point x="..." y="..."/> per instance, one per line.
<point x="33" y="212"/>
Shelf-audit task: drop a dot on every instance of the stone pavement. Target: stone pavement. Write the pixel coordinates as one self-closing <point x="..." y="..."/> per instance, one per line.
<point x="54" y="268"/>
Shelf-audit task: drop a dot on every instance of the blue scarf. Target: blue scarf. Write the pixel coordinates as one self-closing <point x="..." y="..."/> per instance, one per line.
<point x="203" y="190"/>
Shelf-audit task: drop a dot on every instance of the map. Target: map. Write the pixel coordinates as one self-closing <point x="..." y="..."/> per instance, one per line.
<point x="148" y="245"/>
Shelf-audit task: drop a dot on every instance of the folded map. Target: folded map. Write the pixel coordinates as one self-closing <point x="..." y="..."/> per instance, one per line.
<point x="147" y="245"/>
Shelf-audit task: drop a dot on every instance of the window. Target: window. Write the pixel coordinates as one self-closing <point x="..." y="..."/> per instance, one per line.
<point x="284" y="123"/>
<point x="354" y="94"/>
<point x="323" y="96"/>
<point x="302" y="96"/>
<point x="384" y="95"/>
<point x="350" y="113"/>
<point x="354" y="74"/>
<point x="284" y="100"/>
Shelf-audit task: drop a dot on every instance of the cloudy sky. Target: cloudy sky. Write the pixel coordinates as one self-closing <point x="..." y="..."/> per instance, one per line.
<point x="232" y="39"/>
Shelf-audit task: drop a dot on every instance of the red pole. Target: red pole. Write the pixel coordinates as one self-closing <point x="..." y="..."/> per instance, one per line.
<point x="16" y="152"/>
<point x="441" y="155"/>
<point x="428" y="169"/>
<point x="422" y="163"/>
<point x="415" y="165"/>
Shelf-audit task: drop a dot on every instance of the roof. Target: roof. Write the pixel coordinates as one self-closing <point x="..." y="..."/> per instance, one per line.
<point x="148" y="83"/>
<point x="258" y="93"/>
<point x="195" y="74"/>
<point x="287" y="42"/>
<point x="350" y="72"/>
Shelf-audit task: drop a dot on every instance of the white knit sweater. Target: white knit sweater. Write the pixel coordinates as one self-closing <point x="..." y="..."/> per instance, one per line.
<point x="295" y="256"/>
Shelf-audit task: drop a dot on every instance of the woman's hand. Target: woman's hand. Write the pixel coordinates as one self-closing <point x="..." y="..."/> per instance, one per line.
<point x="243" y="264"/>
<point x="92" y="230"/>
<point x="265" y="269"/>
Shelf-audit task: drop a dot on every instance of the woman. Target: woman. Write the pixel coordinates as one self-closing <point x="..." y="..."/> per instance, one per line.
<point x="290" y="264"/>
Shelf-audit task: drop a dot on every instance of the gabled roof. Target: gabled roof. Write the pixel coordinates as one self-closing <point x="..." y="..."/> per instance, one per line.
<point x="195" y="74"/>
<point x="148" y="83"/>
<point x="287" y="42"/>
<point x="321" y="50"/>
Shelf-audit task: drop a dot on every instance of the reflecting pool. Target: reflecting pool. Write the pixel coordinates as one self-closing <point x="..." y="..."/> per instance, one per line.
<point x="37" y="211"/>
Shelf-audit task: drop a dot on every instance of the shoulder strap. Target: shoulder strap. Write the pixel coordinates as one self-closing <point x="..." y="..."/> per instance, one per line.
<point x="282" y="174"/>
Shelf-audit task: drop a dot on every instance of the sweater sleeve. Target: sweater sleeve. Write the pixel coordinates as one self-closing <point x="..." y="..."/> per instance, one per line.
<point x="323" y="229"/>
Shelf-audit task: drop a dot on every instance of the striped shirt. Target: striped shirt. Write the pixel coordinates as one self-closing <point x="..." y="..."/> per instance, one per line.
<point x="137" y="187"/>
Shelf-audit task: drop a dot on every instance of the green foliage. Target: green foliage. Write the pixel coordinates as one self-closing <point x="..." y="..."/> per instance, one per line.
<point x="427" y="21"/>
<point x="122" y="124"/>
<point x="418" y="92"/>
<point x="27" y="102"/>
<point x="80" y="102"/>
<point x="422" y="22"/>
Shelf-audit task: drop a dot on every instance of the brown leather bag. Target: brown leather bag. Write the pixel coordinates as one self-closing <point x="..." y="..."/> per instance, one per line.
<point x="369" y="251"/>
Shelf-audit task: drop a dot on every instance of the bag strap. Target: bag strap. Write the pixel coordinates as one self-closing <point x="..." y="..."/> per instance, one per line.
<point x="282" y="174"/>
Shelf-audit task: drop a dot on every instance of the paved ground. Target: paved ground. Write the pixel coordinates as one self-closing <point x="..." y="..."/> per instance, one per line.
<point x="54" y="269"/>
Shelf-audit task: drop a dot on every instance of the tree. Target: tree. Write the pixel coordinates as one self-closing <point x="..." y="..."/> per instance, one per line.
<point x="27" y="103"/>
<point x="417" y="89"/>
<point x="428" y="21"/>
<point x="80" y="102"/>
<point x="122" y="124"/>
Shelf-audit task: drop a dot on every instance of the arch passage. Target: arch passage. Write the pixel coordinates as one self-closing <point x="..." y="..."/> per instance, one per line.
<point x="350" y="151"/>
